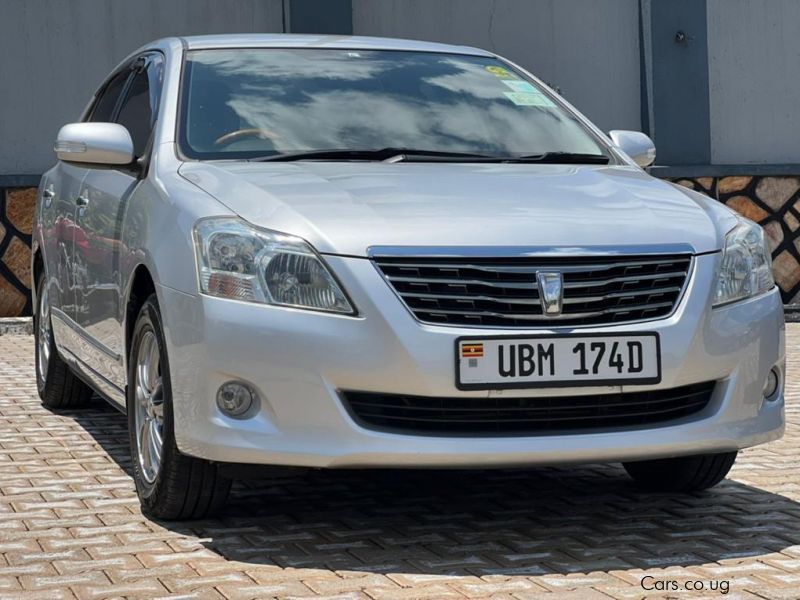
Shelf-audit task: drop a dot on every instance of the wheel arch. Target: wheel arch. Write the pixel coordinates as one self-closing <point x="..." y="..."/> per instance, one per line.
<point x="37" y="269"/>
<point x="141" y="287"/>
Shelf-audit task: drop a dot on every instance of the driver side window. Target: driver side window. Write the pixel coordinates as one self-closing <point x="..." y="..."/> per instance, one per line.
<point x="130" y="98"/>
<point x="140" y="106"/>
<point x="103" y="109"/>
<point x="136" y="114"/>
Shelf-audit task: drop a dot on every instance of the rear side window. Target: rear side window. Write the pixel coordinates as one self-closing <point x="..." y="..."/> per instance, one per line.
<point x="103" y="109"/>
<point x="136" y="113"/>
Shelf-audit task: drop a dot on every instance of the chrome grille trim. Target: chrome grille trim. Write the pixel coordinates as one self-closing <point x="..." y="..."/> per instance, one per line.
<point x="518" y="286"/>
<point x="527" y="269"/>
<point x="603" y="282"/>
<point x="513" y="285"/>
<point x="526" y="317"/>
<point x="534" y="301"/>
<point x="502" y="291"/>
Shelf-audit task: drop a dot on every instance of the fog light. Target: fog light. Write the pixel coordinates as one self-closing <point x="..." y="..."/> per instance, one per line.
<point x="235" y="399"/>
<point x="771" y="385"/>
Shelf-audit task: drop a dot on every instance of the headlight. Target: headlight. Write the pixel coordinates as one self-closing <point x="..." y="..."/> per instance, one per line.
<point x="746" y="268"/>
<point x="240" y="262"/>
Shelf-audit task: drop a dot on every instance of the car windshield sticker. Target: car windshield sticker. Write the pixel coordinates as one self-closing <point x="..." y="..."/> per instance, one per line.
<point x="529" y="99"/>
<point x="521" y="86"/>
<point x="502" y="72"/>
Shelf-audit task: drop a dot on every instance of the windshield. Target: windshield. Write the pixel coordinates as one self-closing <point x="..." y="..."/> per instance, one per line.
<point x="256" y="103"/>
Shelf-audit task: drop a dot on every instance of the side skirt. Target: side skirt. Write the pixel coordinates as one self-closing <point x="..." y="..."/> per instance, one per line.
<point x="102" y="386"/>
<point x="68" y="337"/>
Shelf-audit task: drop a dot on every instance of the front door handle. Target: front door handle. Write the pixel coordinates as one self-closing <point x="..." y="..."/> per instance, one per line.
<point x="82" y="201"/>
<point x="48" y="194"/>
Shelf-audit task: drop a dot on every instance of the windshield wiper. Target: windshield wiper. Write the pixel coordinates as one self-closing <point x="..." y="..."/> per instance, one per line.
<point x="387" y="154"/>
<point x="572" y="158"/>
<point x="416" y="155"/>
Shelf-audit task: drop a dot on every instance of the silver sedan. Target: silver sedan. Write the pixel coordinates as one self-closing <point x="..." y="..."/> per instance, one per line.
<point x="356" y="252"/>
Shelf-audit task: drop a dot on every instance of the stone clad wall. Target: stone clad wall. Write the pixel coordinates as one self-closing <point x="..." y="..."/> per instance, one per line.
<point x="16" y="224"/>
<point x="774" y="202"/>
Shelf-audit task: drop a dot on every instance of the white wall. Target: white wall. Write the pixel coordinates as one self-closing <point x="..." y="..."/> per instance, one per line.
<point x="754" y="81"/>
<point x="588" y="48"/>
<point x="55" y="53"/>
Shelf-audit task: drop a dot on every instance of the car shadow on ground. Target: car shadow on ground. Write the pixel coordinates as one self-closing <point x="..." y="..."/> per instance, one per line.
<point x="541" y="521"/>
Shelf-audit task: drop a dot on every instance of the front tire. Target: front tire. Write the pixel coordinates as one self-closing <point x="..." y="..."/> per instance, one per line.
<point x="682" y="474"/>
<point x="57" y="385"/>
<point x="170" y="485"/>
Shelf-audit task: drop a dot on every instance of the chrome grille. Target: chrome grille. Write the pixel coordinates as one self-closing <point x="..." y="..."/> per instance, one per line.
<point x="502" y="292"/>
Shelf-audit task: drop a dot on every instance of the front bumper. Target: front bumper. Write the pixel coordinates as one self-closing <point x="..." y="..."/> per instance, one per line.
<point x="298" y="360"/>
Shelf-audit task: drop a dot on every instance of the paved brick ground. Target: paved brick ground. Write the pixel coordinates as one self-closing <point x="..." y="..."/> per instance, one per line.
<point x="70" y="524"/>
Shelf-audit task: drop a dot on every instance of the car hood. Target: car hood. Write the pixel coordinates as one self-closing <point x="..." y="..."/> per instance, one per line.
<point x="349" y="207"/>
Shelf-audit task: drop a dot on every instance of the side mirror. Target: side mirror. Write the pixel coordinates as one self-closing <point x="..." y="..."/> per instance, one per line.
<point x="97" y="143"/>
<point x="635" y="144"/>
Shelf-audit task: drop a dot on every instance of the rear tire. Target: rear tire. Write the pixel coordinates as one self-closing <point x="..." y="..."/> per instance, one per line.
<point x="57" y="385"/>
<point x="682" y="474"/>
<point x="170" y="485"/>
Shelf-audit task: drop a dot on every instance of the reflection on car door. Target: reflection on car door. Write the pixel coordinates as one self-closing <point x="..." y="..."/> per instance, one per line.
<point x="99" y="300"/>
<point x="65" y="192"/>
<point x="60" y="192"/>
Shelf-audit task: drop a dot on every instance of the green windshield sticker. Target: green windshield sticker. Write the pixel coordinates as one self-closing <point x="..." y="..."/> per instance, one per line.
<point x="501" y="72"/>
<point x="529" y="99"/>
<point x="521" y="86"/>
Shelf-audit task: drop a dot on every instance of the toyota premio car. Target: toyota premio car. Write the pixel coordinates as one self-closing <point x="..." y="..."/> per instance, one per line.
<point x="354" y="252"/>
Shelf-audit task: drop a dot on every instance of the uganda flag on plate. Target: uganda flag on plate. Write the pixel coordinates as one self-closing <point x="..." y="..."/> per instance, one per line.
<point x="472" y="351"/>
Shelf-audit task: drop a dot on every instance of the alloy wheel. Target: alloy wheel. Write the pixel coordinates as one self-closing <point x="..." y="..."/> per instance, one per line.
<point x="149" y="407"/>
<point x="44" y="334"/>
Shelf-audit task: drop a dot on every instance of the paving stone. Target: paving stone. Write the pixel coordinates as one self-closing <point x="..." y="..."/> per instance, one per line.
<point x="70" y="524"/>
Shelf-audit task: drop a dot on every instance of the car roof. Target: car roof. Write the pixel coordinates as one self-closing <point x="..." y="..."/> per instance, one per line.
<point x="283" y="40"/>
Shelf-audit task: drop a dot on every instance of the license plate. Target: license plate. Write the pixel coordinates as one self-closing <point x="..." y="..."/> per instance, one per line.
<point x="557" y="361"/>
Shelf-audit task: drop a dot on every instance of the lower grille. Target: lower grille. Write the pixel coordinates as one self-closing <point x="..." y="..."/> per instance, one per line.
<point x="525" y="416"/>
